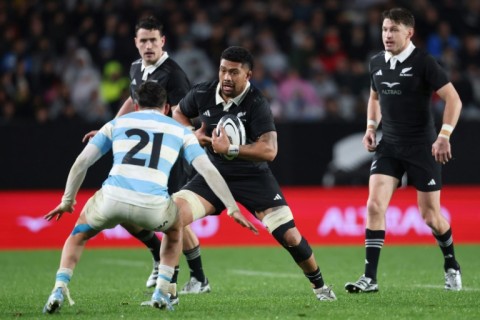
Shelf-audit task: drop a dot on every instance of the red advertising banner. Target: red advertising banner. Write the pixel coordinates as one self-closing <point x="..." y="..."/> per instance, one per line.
<point x="324" y="216"/>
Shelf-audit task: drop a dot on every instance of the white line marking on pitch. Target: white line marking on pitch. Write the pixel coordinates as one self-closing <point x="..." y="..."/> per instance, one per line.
<point x="432" y="286"/>
<point x="123" y="262"/>
<point x="263" y="273"/>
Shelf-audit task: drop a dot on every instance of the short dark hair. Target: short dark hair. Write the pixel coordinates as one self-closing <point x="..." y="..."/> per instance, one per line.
<point x="400" y="16"/>
<point x="149" y="23"/>
<point x="151" y="95"/>
<point x="238" y="54"/>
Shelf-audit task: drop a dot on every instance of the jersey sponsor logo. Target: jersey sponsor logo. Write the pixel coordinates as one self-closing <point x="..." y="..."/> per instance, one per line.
<point x="207" y="113"/>
<point x="379" y="73"/>
<point x="392" y="92"/>
<point x="404" y="73"/>
<point x="391" y="84"/>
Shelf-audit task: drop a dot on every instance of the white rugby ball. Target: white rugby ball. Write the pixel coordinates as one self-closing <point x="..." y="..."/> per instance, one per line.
<point x="235" y="131"/>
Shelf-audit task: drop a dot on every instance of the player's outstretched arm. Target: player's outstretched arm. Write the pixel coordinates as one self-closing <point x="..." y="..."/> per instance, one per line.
<point x="78" y="171"/>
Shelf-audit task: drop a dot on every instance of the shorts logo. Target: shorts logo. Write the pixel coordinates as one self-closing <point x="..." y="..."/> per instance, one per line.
<point x="379" y="73"/>
<point x="207" y="113"/>
<point x="277" y="197"/>
<point x="432" y="183"/>
<point x="374" y="165"/>
<point x="134" y="82"/>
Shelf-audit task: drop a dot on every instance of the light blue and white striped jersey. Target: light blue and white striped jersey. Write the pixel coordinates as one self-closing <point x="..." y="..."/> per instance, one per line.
<point x="145" y="146"/>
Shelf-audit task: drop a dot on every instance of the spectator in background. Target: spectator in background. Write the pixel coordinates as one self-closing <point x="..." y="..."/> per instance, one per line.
<point x="442" y="39"/>
<point x="262" y="80"/>
<point x="469" y="53"/>
<point x="194" y="61"/>
<point x="274" y="61"/>
<point x="299" y="98"/>
<point x="324" y="85"/>
<point x="303" y="49"/>
<point x="284" y="32"/>
<point x="473" y="74"/>
<point x="333" y="54"/>
<point x="201" y="28"/>
<point x="22" y="83"/>
<point x="7" y="108"/>
<point x="85" y="89"/>
<point x="114" y="86"/>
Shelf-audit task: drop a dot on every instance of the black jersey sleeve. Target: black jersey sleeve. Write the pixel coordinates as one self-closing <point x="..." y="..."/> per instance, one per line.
<point x="435" y="75"/>
<point x="374" y="66"/>
<point x="261" y="118"/>
<point x="188" y="104"/>
<point x="372" y="83"/>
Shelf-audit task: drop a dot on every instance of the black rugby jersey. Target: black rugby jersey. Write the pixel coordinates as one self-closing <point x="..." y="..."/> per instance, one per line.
<point x="168" y="74"/>
<point x="254" y="111"/>
<point x="405" y="95"/>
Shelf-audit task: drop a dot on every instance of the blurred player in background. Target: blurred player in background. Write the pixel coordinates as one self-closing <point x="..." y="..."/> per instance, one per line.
<point x="403" y="79"/>
<point x="145" y="146"/>
<point x="248" y="175"/>
<point x="155" y="65"/>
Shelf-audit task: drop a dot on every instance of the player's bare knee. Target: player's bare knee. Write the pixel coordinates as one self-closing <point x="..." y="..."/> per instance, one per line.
<point x="375" y="209"/>
<point x="193" y="208"/>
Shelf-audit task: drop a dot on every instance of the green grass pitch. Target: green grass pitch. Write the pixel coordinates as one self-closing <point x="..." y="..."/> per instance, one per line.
<point x="247" y="283"/>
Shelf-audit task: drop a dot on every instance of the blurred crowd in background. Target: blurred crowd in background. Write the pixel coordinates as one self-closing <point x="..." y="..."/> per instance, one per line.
<point x="69" y="60"/>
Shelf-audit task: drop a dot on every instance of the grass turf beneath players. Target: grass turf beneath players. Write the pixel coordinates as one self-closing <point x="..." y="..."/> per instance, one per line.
<point x="247" y="283"/>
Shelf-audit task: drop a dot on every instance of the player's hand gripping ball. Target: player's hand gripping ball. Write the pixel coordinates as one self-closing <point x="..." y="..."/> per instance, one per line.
<point x="235" y="131"/>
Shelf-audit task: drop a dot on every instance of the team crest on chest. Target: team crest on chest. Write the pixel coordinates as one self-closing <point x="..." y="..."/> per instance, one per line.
<point x="404" y="72"/>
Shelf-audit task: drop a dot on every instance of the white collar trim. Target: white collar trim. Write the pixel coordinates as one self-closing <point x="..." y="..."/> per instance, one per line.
<point x="402" y="56"/>
<point x="151" y="68"/>
<point x="237" y="100"/>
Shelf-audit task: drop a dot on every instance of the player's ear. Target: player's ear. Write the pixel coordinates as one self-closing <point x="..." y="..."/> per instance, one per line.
<point x="166" y="109"/>
<point x="411" y="31"/>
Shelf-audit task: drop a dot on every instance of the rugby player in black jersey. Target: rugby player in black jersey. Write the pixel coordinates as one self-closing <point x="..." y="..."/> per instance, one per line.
<point x="403" y="79"/>
<point x="248" y="175"/>
<point x="155" y="65"/>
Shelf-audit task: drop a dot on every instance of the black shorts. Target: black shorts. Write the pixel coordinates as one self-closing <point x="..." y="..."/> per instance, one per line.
<point x="256" y="192"/>
<point x="179" y="175"/>
<point x="417" y="161"/>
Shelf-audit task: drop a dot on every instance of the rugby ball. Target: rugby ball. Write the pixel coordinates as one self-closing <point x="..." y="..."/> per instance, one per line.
<point x="235" y="131"/>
